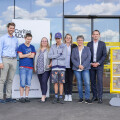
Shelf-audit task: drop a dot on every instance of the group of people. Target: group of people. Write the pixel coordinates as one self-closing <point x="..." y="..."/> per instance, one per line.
<point x="59" y="62"/>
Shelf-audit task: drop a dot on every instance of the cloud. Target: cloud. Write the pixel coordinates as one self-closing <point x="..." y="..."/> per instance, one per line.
<point x="86" y="22"/>
<point x="97" y="9"/>
<point x="77" y="28"/>
<point x="3" y="28"/>
<point x="108" y="1"/>
<point x="49" y="4"/>
<point x="23" y="14"/>
<point x="59" y="15"/>
<point x="110" y="36"/>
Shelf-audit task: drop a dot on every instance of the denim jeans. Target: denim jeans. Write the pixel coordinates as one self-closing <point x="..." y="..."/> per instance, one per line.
<point x="25" y="77"/>
<point x="85" y="76"/>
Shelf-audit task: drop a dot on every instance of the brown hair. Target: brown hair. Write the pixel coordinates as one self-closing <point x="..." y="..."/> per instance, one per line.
<point x="10" y="24"/>
<point x="96" y="31"/>
<point x="48" y="46"/>
<point x="70" y="36"/>
<point x="28" y="35"/>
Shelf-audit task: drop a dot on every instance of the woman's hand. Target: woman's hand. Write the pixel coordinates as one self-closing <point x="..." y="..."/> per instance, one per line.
<point x="81" y="67"/>
<point x="49" y="66"/>
<point x="1" y="65"/>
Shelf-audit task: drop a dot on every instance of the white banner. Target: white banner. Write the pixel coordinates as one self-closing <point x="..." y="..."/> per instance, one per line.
<point x="38" y="29"/>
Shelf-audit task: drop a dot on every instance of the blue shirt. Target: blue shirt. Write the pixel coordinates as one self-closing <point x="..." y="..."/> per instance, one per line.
<point x="8" y="46"/>
<point x="26" y="62"/>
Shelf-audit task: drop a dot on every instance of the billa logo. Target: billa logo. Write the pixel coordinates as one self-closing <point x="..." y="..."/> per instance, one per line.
<point x="21" y="33"/>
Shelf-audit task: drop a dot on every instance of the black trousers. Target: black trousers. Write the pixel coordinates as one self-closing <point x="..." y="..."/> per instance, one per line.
<point x="68" y="81"/>
<point x="43" y="79"/>
<point x="96" y="76"/>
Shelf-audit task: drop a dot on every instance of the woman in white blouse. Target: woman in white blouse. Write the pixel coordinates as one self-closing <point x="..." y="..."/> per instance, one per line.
<point x="81" y="57"/>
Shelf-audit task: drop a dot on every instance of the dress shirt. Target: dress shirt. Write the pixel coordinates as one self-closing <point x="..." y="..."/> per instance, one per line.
<point x="95" y="46"/>
<point x="8" y="46"/>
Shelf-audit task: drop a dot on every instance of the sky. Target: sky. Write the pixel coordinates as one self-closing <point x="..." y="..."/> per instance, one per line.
<point x="52" y="9"/>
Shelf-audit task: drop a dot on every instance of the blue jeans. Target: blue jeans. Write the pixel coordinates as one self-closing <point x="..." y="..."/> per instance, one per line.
<point x="25" y="77"/>
<point x="85" y="76"/>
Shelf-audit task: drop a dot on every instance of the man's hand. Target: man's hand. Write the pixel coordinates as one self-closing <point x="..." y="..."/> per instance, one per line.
<point x="29" y="54"/>
<point x="1" y="66"/>
<point x="95" y="64"/>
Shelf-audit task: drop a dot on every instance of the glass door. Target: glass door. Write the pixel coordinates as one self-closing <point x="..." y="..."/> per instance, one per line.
<point x="109" y="29"/>
<point x="78" y="27"/>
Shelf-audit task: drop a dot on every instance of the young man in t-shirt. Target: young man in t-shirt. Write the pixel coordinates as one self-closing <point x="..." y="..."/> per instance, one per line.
<point x="26" y="53"/>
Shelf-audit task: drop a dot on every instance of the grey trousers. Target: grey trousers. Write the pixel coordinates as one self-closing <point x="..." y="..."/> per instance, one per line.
<point x="7" y="75"/>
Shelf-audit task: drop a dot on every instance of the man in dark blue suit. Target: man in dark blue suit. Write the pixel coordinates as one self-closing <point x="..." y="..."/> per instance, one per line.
<point x="98" y="55"/>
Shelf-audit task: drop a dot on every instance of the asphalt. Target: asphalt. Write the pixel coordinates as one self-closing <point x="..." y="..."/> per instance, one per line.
<point x="68" y="111"/>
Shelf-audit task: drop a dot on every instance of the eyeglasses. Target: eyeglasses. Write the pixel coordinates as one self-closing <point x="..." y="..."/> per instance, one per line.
<point x="44" y="41"/>
<point x="80" y="40"/>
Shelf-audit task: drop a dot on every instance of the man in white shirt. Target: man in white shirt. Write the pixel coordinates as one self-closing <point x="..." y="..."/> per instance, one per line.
<point x="98" y="55"/>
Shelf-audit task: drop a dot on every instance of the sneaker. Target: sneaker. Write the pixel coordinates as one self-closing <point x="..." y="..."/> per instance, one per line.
<point x="55" y="100"/>
<point x="100" y="101"/>
<point x="22" y="100"/>
<point x="61" y="101"/>
<point x="27" y="99"/>
<point x="80" y="100"/>
<point x="10" y="100"/>
<point x="88" y="101"/>
<point x="70" y="98"/>
<point x="66" y="98"/>
<point x="2" y="101"/>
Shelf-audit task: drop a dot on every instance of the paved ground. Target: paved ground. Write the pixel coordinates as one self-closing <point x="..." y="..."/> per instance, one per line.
<point x="69" y="111"/>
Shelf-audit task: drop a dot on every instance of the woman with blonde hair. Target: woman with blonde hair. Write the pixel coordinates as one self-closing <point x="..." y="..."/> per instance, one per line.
<point x="42" y="66"/>
<point x="69" y="71"/>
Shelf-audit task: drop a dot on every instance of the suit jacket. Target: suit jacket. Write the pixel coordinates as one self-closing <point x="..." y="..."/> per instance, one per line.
<point x="85" y="58"/>
<point x="72" y="46"/>
<point x="101" y="53"/>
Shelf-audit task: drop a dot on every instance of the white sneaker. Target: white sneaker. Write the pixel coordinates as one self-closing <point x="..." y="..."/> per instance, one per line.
<point x="66" y="98"/>
<point x="70" y="98"/>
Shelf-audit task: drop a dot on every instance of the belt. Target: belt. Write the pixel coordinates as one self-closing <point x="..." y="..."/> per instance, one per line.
<point x="9" y="57"/>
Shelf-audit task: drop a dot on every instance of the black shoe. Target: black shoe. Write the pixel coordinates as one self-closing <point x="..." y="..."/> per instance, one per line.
<point x="61" y="101"/>
<point x="100" y="101"/>
<point x="80" y="100"/>
<point x="88" y="101"/>
<point x="42" y="101"/>
<point x="94" y="99"/>
<point x="2" y="101"/>
<point x="55" y="101"/>
<point x="22" y="100"/>
<point x="27" y="99"/>
<point x="10" y="100"/>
